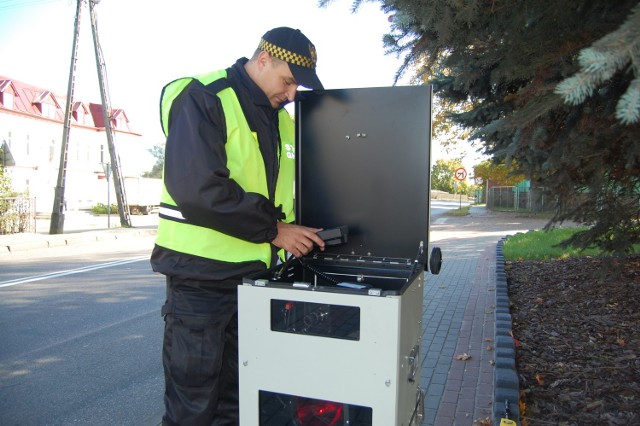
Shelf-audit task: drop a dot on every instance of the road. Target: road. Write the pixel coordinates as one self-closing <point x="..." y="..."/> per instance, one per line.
<point x="440" y="207"/>
<point x="81" y="335"/>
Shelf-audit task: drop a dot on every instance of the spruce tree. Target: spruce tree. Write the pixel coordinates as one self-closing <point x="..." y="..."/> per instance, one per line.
<point x="554" y="88"/>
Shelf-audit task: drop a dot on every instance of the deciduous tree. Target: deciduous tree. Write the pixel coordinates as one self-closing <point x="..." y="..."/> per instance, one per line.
<point x="442" y="177"/>
<point x="497" y="173"/>
<point x="158" y="153"/>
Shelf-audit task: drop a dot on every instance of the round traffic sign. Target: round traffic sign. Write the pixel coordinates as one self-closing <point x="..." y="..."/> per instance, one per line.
<point x="460" y="174"/>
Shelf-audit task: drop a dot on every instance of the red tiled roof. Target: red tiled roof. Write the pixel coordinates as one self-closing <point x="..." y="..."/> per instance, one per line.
<point x="4" y="84"/>
<point x="28" y="98"/>
<point x="76" y="106"/>
<point x="96" y="113"/>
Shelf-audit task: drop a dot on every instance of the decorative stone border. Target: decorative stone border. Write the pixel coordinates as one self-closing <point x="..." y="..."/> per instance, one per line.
<point x="506" y="384"/>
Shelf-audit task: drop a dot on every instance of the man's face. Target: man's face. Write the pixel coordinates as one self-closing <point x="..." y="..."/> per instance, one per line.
<point x="276" y="80"/>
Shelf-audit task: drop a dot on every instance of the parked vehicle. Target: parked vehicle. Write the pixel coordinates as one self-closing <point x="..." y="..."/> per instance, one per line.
<point x="143" y="194"/>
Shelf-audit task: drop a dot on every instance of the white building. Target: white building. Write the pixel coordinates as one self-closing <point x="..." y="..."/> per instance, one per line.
<point x="31" y="126"/>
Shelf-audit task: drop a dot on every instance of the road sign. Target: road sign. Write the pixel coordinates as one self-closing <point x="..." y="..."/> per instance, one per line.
<point x="460" y="174"/>
<point x="479" y="180"/>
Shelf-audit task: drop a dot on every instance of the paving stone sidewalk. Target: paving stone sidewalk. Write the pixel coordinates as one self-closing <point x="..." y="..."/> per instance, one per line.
<point x="459" y="317"/>
<point x="79" y="227"/>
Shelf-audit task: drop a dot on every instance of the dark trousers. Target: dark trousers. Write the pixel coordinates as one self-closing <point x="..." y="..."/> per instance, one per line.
<point x="200" y="354"/>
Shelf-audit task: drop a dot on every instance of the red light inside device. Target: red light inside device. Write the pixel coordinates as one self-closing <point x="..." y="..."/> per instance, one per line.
<point x="313" y="412"/>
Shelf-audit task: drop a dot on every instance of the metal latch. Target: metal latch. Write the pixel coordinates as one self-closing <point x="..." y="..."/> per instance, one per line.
<point x="418" y="412"/>
<point x="413" y="361"/>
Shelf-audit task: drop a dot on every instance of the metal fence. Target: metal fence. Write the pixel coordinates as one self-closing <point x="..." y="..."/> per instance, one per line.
<point x="17" y="215"/>
<point x="516" y="198"/>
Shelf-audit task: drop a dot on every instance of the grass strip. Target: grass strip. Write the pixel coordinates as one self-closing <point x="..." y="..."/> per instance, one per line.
<point x="540" y="245"/>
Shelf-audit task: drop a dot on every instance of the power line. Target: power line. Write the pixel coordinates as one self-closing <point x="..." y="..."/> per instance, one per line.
<point x="16" y="4"/>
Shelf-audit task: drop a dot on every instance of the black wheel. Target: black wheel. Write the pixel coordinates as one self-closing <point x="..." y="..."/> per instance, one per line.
<point x="435" y="261"/>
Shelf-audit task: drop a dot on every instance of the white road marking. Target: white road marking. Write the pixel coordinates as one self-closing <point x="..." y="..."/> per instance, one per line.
<point x="70" y="272"/>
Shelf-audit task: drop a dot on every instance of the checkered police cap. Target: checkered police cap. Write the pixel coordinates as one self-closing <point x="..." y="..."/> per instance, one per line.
<point x="297" y="50"/>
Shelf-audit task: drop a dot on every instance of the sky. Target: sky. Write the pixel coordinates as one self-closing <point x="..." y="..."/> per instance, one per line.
<point x="148" y="43"/>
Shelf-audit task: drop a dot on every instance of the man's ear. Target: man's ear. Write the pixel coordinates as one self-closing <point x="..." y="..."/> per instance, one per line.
<point x="263" y="59"/>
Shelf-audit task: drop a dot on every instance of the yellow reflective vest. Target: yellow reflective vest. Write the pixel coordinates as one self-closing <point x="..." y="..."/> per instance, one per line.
<point x="246" y="167"/>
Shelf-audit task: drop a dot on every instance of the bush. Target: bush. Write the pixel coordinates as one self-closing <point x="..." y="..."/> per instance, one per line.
<point x="101" y="208"/>
<point x="16" y="214"/>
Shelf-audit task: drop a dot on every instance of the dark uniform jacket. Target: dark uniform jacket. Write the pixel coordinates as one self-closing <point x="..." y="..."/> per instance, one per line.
<point x="197" y="178"/>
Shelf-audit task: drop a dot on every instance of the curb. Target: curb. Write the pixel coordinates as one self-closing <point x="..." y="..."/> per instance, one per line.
<point x="506" y="384"/>
<point x="79" y="238"/>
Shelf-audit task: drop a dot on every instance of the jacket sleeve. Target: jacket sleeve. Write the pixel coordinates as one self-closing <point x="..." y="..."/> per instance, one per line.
<point x="196" y="176"/>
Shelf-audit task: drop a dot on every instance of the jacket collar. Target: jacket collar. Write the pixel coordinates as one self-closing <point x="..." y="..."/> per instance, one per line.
<point x="257" y="95"/>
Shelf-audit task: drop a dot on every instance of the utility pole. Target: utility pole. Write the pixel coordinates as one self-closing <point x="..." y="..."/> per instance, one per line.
<point x="57" y="213"/>
<point x="107" y="114"/>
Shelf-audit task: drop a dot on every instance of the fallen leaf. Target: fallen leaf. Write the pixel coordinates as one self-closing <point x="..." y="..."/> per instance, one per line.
<point x="463" y="357"/>
<point x="593" y="405"/>
<point x="539" y="379"/>
<point x="484" y="422"/>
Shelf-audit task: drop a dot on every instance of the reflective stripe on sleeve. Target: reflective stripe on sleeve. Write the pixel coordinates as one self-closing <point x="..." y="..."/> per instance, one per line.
<point x="172" y="213"/>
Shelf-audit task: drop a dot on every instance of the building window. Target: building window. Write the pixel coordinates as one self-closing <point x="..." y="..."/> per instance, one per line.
<point x="6" y="98"/>
<point x="80" y="116"/>
<point x="46" y="104"/>
<point x="48" y="110"/>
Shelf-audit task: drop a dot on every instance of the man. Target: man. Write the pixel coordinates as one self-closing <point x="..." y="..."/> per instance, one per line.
<point x="226" y="212"/>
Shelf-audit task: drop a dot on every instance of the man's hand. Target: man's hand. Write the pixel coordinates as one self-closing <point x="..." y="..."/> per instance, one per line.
<point x="297" y="240"/>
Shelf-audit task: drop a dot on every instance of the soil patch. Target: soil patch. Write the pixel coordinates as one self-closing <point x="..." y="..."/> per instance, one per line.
<point x="576" y="325"/>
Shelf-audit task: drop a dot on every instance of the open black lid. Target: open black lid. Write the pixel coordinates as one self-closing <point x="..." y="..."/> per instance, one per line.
<point x="363" y="160"/>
